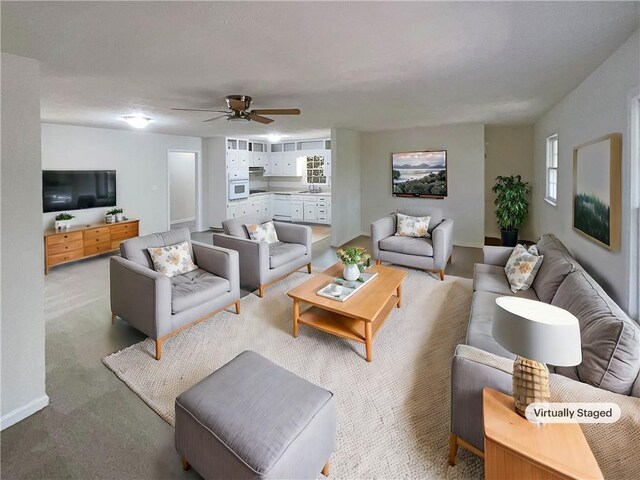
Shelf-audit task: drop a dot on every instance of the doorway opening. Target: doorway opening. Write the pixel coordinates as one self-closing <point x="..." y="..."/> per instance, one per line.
<point x="183" y="190"/>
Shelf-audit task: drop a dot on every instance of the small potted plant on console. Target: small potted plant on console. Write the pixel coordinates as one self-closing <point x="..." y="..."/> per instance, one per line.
<point x="115" y="215"/>
<point x="63" y="221"/>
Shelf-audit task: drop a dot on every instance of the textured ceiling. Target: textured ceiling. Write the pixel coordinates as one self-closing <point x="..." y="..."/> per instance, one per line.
<point x="360" y="65"/>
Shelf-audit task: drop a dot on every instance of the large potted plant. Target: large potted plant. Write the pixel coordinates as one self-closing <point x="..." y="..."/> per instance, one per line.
<point x="512" y="206"/>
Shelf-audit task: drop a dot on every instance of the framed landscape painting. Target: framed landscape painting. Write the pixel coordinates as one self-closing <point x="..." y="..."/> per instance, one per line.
<point x="596" y="190"/>
<point x="419" y="174"/>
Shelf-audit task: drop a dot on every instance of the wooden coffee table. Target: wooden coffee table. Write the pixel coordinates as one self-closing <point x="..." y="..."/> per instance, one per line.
<point x="361" y="316"/>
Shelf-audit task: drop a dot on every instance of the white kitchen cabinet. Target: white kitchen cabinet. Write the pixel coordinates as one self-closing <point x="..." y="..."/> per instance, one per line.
<point x="327" y="163"/>
<point x="258" y="154"/>
<point x="297" y="211"/>
<point x="236" y="209"/>
<point x="293" y="166"/>
<point x="310" y="212"/>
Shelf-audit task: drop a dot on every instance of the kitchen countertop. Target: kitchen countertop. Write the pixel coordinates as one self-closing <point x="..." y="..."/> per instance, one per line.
<point x="324" y="193"/>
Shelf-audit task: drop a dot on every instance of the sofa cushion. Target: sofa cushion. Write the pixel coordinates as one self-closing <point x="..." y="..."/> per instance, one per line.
<point x="408" y="226"/>
<point x="195" y="288"/>
<point x="262" y="232"/>
<point x="421" y="247"/>
<point x="557" y="264"/>
<point x="236" y="226"/>
<point x="610" y="340"/>
<point x="434" y="212"/>
<point x="491" y="278"/>
<point x="281" y="253"/>
<point x="172" y="260"/>
<point x="522" y="267"/>
<point x="480" y="321"/>
<point x="135" y="249"/>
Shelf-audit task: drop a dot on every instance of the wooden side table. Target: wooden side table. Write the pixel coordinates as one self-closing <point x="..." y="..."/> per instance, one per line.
<point x="515" y="448"/>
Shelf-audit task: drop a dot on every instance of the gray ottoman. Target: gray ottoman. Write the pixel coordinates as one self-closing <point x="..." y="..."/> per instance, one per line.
<point x="254" y="419"/>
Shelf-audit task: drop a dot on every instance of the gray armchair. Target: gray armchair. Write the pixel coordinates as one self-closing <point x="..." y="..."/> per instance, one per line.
<point x="430" y="254"/>
<point x="262" y="264"/>
<point x="160" y="306"/>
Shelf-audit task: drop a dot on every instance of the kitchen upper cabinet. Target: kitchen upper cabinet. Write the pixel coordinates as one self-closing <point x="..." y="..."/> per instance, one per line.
<point x="327" y="163"/>
<point x="258" y="154"/>
<point x="232" y="154"/>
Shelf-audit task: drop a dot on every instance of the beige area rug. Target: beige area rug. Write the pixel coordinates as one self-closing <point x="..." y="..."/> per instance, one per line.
<point x="393" y="413"/>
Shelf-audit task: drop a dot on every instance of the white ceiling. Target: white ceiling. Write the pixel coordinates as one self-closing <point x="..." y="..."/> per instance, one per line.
<point x="360" y="65"/>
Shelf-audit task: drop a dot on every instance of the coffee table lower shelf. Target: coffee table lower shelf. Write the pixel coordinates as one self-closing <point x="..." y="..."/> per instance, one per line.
<point x="347" y="327"/>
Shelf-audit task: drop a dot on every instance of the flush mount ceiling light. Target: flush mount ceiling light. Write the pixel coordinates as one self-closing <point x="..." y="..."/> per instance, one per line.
<point x="274" y="137"/>
<point x="137" y="121"/>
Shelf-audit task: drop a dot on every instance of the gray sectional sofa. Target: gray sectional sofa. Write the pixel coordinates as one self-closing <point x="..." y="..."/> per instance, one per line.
<point x="610" y="366"/>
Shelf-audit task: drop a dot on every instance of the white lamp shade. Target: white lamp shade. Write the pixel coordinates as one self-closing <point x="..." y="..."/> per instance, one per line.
<point x="537" y="331"/>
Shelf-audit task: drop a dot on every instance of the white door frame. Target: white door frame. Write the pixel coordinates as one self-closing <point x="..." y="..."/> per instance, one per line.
<point x="199" y="192"/>
<point x="632" y="185"/>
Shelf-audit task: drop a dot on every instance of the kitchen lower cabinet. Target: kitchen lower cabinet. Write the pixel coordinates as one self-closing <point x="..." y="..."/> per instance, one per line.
<point x="312" y="209"/>
<point x="297" y="211"/>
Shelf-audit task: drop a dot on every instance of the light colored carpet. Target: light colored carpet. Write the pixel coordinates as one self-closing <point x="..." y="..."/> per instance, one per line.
<point x="393" y="413"/>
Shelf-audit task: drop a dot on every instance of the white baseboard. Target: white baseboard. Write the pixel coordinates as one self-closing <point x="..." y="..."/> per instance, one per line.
<point x="23" y="412"/>
<point x="182" y="220"/>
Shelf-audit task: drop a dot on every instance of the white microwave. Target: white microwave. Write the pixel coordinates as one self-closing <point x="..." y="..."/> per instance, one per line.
<point x="238" y="186"/>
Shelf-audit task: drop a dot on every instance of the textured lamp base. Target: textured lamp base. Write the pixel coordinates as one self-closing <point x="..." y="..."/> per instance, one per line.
<point x="530" y="383"/>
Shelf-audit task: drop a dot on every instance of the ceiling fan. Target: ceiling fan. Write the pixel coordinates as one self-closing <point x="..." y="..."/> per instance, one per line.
<point x="238" y="106"/>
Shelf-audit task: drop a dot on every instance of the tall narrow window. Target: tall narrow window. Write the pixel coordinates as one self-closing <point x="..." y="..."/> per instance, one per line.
<point x="552" y="170"/>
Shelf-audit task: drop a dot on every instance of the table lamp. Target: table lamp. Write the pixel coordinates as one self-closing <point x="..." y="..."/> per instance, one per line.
<point x="537" y="333"/>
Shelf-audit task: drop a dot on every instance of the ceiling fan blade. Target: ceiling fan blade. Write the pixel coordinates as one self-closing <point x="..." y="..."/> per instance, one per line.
<point x="277" y="111"/>
<point x="236" y="104"/>
<point x="259" y="118"/>
<point x="215" y="118"/>
<point x="198" y="110"/>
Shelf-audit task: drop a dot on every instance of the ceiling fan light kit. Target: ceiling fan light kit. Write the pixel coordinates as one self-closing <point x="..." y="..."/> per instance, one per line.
<point x="137" y="121"/>
<point x="239" y="111"/>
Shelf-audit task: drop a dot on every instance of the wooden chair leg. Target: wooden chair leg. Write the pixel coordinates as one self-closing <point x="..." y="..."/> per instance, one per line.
<point x="308" y="268"/>
<point x="325" y="469"/>
<point x="185" y="464"/>
<point x="238" y="307"/>
<point x="158" y="348"/>
<point x="113" y="318"/>
<point x="378" y="262"/>
<point x="442" y="275"/>
<point x="261" y="289"/>
<point x="453" y="449"/>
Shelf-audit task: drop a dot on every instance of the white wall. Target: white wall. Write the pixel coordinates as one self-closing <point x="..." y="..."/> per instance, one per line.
<point x="182" y="186"/>
<point x="508" y="151"/>
<point x="140" y="159"/>
<point x="598" y="106"/>
<point x="347" y="178"/>
<point x="21" y="248"/>
<point x="465" y="161"/>
<point x="214" y="164"/>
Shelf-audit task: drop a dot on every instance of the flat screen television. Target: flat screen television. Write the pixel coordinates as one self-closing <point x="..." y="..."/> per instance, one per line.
<point x="78" y="189"/>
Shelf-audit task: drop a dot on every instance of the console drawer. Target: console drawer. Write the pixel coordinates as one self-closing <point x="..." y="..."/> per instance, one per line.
<point x="64" y="247"/>
<point x="64" y="257"/>
<point x="94" y="240"/>
<point x="96" y="232"/>
<point x="63" y="238"/>
<point x="98" y="248"/>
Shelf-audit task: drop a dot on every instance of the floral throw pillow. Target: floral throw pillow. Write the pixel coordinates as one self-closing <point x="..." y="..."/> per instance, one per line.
<point x="409" y="226"/>
<point x="172" y="260"/>
<point x="265" y="232"/>
<point x="522" y="267"/>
